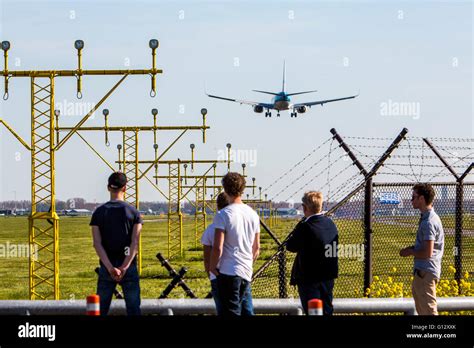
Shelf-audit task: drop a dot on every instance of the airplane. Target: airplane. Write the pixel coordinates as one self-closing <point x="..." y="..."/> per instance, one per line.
<point x="281" y="101"/>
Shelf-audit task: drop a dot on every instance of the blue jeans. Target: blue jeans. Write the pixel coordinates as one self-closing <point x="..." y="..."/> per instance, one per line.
<point x="231" y="293"/>
<point x="130" y="285"/>
<point x="321" y="290"/>
<point x="247" y="304"/>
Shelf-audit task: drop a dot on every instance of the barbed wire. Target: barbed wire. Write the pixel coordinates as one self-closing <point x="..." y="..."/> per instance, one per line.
<point x="459" y="157"/>
<point x="413" y="147"/>
<point x="303" y="174"/>
<point x="368" y="138"/>
<point x="314" y="178"/>
<point x="346" y="187"/>
<point x="296" y="165"/>
<point x="444" y="168"/>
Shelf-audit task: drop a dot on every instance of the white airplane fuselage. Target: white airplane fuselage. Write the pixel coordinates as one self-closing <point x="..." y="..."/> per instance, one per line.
<point x="282" y="102"/>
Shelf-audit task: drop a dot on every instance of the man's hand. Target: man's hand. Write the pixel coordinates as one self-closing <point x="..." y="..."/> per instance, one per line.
<point x="214" y="271"/>
<point x="406" y="252"/>
<point x="115" y="273"/>
<point x="123" y="269"/>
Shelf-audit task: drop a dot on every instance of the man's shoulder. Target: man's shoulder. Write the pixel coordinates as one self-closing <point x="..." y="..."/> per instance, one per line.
<point x="99" y="208"/>
<point x="210" y="228"/>
<point x="250" y="210"/>
<point x="431" y="219"/>
<point x="320" y="221"/>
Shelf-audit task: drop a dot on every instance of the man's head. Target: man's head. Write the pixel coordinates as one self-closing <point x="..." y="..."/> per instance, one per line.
<point x="234" y="184"/>
<point x="312" y="203"/>
<point x="117" y="182"/>
<point x="423" y="196"/>
<point x="222" y="201"/>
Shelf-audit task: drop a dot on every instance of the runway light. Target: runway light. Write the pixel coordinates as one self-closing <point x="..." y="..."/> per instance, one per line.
<point x="229" y="145"/>
<point x="191" y="146"/>
<point x="5" y="45"/>
<point x="203" y="111"/>
<point x="79" y="44"/>
<point x="57" y="112"/>
<point x="119" y="147"/>
<point x="154" y="112"/>
<point x="105" y="112"/>
<point x="155" y="146"/>
<point x="243" y="165"/>
<point x="154" y="44"/>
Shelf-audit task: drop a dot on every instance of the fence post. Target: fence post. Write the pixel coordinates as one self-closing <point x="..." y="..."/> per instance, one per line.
<point x="458" y="231"/>
<point x="368" y="233"/>
<point x="282" y="288"/>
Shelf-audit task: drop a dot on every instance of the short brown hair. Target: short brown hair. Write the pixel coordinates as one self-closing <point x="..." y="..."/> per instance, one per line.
<point x="222" y="201"/>
<point x="425" y="190"/>
<point x="234" y="184"/>
<point x="313" y="200"/>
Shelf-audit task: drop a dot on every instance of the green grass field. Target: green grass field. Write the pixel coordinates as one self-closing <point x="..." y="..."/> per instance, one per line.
<point x="78" y="258"/>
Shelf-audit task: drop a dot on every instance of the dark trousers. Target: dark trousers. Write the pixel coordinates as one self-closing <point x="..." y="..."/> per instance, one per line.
<point x="247" y="304"/>
<point x="321" y="290"/>
<point x="130" y="286"/>
<point x="232" y="291"/>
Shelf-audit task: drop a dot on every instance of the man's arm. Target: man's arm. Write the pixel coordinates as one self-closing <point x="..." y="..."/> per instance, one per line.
<point x="256" y="246"/>
<point x="425" y="252"/>
<point x="217" y="248"/>
<point x="207" y="257"/>
<point x="295" y="242"/>
<point x="137" y="228"/>
<point x="114" y="272"/>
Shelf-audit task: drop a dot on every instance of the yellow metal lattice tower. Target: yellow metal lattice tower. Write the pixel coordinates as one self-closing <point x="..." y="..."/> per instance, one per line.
<point x="130" y="169"/>
<point x="175" y="217"/>
<point x="44" y="225"/>
<point x="200" y="216"/>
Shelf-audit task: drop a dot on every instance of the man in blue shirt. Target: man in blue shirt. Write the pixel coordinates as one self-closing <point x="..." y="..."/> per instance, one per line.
<point x="116" y="227"/>
<point x="427" y="251"/>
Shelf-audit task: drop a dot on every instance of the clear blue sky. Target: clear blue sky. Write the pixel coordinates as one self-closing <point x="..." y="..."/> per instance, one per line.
<point x="396" y="51"/>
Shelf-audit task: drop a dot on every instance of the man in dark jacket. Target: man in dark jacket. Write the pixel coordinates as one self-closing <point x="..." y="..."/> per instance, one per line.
<point x="315" y="267"/>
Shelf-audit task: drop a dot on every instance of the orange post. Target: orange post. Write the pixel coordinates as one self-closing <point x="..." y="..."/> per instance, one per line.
<point x="315" y="307"/>
<point x="93" y="305"/>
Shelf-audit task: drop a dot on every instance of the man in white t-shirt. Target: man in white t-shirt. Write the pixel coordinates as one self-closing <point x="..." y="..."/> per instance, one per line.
<point x="236" y="246"/>
<point x="207" y="240"/>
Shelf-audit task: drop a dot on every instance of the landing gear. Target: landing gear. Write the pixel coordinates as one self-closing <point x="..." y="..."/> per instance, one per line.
<point x="278" y="115"/>
<point x="293" y="114"/>
<point x="268" y="114"/>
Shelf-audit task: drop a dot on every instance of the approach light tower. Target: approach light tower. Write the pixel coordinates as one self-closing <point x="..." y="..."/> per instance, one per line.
<point x="44" y="225"/>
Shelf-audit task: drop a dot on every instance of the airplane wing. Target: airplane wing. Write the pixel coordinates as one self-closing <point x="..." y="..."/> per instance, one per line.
<point x="321" y="102"/>
<point x="247" y="102"/>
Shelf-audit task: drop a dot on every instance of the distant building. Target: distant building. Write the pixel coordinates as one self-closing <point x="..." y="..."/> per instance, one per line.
<point x="288" y="212"/>
<point x="77" y="212"/>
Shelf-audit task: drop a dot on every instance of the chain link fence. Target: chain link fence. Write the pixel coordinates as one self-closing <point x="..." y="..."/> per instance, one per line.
<point x="395" y="224"/>
<point x="376" y="219"/>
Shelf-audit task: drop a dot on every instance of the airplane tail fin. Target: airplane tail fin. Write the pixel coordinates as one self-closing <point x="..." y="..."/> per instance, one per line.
<point x="256" y="90"/>
<point x="301" y="92"/>
<point x="284" y="75"/>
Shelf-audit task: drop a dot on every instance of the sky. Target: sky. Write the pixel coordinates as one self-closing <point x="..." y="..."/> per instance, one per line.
<point x="416" y="53"/>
